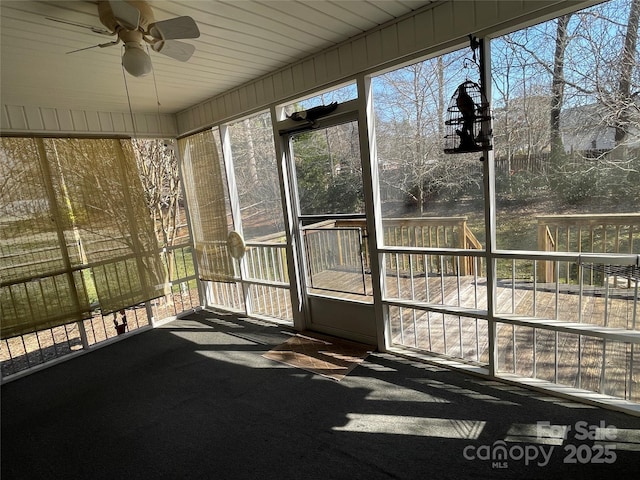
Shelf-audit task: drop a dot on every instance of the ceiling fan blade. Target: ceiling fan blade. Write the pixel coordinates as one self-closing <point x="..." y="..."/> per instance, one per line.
<point x="99" y="30"/>
<point x="179" y="27"/>
<point x="101" y="45"/>
<point x="177" y="50"/>
<point x="125" y="14"/>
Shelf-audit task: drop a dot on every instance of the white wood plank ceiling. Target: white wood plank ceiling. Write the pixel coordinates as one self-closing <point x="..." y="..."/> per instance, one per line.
<point x="240" y="40"/>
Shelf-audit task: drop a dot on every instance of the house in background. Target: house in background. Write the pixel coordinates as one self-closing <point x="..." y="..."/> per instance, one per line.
<point x="588" y="128"/>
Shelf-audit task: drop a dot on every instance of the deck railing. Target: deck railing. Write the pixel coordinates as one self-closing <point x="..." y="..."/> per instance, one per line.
<point x="433" y="232"/>
<point x="21" y="353"/>
<point x="585" y="233"/>
<point x="261" y="286"/>
<point x="425" y="232"/>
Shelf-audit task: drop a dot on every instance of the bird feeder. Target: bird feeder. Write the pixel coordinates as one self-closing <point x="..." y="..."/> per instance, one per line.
<point x="467" y="124"/>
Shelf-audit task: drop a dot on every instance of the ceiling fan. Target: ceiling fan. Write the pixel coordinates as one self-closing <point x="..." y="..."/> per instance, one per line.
<point x="133" y="23"/>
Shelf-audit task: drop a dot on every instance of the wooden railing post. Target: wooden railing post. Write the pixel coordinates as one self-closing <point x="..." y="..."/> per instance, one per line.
<point x="589" y="233"/>
<point x="545" y="269"/>
<point x="462" y="241"/>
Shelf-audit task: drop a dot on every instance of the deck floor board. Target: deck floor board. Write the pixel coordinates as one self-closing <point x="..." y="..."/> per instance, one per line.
<point x="579" y="361"/>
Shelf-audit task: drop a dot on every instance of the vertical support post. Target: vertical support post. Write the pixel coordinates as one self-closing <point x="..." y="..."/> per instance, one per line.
<point x="373" y="210"/>
<point x="149" y="309"/>
<point x="299" y="304"/>
<point x="234" y="199"/>
<point x="489" y="191"/>
<point x="633" y="327"/>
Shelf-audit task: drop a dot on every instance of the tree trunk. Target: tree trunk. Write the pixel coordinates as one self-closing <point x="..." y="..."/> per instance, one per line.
<point x="441" y="100"/>
<point x="252" y="162"/>
<point x="626" y="71"/>
<point x="417" y="139"/>
<point x="557" y="90"/>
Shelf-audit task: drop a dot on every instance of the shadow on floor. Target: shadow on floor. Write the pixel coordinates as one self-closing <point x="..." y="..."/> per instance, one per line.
<point x="196" y="399"/>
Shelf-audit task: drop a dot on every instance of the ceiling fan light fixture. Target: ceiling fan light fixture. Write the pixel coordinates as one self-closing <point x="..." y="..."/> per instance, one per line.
<point x="133" y="23"/>
<point x="135" y="60"/>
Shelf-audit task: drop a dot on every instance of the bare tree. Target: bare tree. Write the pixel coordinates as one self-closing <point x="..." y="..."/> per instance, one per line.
<point x="521" y="103"/>
<point x="158" y="167"/>
<point x="557" y="87"/>
<point x="410" y="132"/>
<point x="256" y="176"/>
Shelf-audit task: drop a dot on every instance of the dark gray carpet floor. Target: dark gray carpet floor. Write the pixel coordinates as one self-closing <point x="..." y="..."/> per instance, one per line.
<point x="195" y="399"/>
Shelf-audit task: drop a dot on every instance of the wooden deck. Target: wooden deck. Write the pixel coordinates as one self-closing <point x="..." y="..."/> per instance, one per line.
<point x="571" y="359"/>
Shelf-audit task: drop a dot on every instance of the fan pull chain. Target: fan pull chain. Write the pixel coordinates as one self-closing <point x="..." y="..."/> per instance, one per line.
<point x="155" y="86"/>
<point x="126" y="88"/>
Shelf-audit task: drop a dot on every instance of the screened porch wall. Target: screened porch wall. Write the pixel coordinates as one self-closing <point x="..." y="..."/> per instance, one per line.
<point x="461" y="324"/>
<point x="20" y="120"/>
<point x="432" y="29"/>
